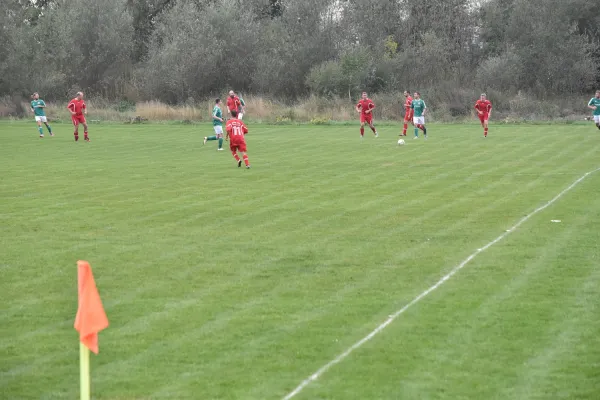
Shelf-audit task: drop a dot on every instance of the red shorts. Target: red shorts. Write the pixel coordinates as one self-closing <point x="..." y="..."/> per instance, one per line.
<point x="483" y="117"/>
<point x="368" y="118"/>
<point x="408" y="117"/>
<point x="77" y="119"/>
<point x="237" y="146"/>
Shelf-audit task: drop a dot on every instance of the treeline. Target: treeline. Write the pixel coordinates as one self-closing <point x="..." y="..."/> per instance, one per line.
<point x="179" y="51"/>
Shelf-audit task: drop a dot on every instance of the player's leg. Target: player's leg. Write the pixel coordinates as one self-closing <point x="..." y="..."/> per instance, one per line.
<point x="219" y="131"/>
<point x="597" y="121"/>
<point x="242" y="148"/>
<point x="362" y="127"/>
<point x="38" y="121"/>
<point x="76" y="124"/>
<point x="416" y="125"/>
<point x="48" y="127"/>
<point x="234" y="149"/>
<point x="485" y="126"/>
<point x="85" y="130"/>
<point x="404" y="125"/>
<point x="370" y="121"/>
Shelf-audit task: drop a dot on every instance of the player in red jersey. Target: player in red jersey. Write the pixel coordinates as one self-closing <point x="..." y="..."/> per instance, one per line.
<point x="408" y="116"/>
<point x="234" y="103"/>
<point x="365" y="107"/>
<point x="484" y="110"/>
<point x="236" y="130"/>
<point x="78" y="110"/>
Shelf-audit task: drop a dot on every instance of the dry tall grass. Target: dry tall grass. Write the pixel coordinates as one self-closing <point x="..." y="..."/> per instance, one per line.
<point x="311" y="109"/>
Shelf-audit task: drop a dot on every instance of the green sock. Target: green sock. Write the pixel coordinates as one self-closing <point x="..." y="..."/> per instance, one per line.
<point x="211" y="138"/>
<point x="220" y="143"/>
<point x="49" y="129"/>
<point x="41" y="130"/>
<point x="416" y="131"/>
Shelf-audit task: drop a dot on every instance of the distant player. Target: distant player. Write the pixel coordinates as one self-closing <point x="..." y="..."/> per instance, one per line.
<point x="408" y="116"/>
<point x="594" y="104"/>
<point x="242" y="108"/>
<point x="78" y="110"/>
<point x="365" y="107"/>
<point x="37" y="107"/>
<point x="234" y="104"/>
<point x="419" y="108"/>
<point x="484" y="111"/>
<point x="217" y="119"/>
<point x="236" y="131"/>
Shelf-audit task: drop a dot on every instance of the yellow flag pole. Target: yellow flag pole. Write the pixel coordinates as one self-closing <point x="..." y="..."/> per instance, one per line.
<point x="84" y="371"/>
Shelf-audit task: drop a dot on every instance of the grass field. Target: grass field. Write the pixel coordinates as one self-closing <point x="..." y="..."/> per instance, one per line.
<point x="226" y="283"/>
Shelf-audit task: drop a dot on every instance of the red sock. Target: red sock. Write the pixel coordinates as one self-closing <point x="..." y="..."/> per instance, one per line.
<point x="85" y="135"/>
<point x="246" y="161"/>
<point x="237" y="158"/>
<point x="404" y="127"/>
<point x="362" y="131"/>
<point x="485" y="131"/>
<point x="76" y="136"/>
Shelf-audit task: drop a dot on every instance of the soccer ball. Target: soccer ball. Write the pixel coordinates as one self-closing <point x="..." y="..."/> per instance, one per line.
<point x="400" y="142"/>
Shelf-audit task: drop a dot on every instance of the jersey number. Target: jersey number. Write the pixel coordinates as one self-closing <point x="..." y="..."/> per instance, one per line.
<point x="237" y="130"/>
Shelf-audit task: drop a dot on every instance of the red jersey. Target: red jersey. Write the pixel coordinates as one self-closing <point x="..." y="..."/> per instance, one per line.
<point x="364" y="105"/>
<point x="236" y="129"/>
<point x="484" y="106"/>
<point x="77" y="106"/>
<point x="234" y="103"/>
<point x="408" y="103"/>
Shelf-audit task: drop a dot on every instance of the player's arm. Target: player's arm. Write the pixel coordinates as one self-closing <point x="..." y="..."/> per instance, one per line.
<point x="424" y="108"/>
<point x="371" y="108"/>
<point x="84" y="107"/>
<point x="42" y="105"/>
<point x="244" y="128"/>
<point x="71" y="108"/>
<point x="489" y="109"/>
<point x="477" y="108"/>
<point x="31" y="107"/>
<point x="227" y="131"/>
<point x="217" y="118"/>
<point x="591" y="106"/>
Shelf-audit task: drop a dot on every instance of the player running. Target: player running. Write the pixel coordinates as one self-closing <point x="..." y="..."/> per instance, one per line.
<point x="78" y="110"/>
<point x="594" y="104"/>
<point x="409" y="112"/>
<point x="236" y="130"/>
<point x="37" y="107"/>
<point x="365" y="107"/>
<point x="217" y="119"/>
<point x="419" y="108"/>
<point x="484" y="111"/>
<point x="234" y="104"/>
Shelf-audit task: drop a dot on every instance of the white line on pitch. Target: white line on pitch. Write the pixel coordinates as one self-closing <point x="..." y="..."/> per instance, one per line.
<point x="439" y="283"/>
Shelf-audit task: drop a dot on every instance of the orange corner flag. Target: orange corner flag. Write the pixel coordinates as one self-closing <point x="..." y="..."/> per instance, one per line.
<point x="90" y="318"/>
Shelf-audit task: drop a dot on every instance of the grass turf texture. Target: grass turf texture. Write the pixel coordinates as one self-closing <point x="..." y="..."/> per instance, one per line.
<point x="225" y="283"/>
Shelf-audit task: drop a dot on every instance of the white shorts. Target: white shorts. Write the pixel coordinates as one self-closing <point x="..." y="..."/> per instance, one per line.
<point x="40" y="118"/>
<point x="240" y="115"/>
<point x="419" y="120"/>
<point x="218" y="129"/>
<point x="597" y="119"/>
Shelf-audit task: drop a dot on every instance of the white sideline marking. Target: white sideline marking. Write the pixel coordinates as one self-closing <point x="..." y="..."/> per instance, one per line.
<point x="439" y="283"/>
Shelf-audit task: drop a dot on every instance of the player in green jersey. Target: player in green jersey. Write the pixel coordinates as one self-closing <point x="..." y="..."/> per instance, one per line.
<point x="420" y="108"/>
<point x="217" y="120"/>
<point x="37" y="107"/>
<point x="594" y="104"/>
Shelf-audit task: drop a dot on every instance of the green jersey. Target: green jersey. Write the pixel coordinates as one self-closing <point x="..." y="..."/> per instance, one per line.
<point x="595" y="102"/>
<point x="217" y="113"/>
<point x="242" y="102"/>
<point x="419" y="106"/>
<point x="37" y="110"/>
